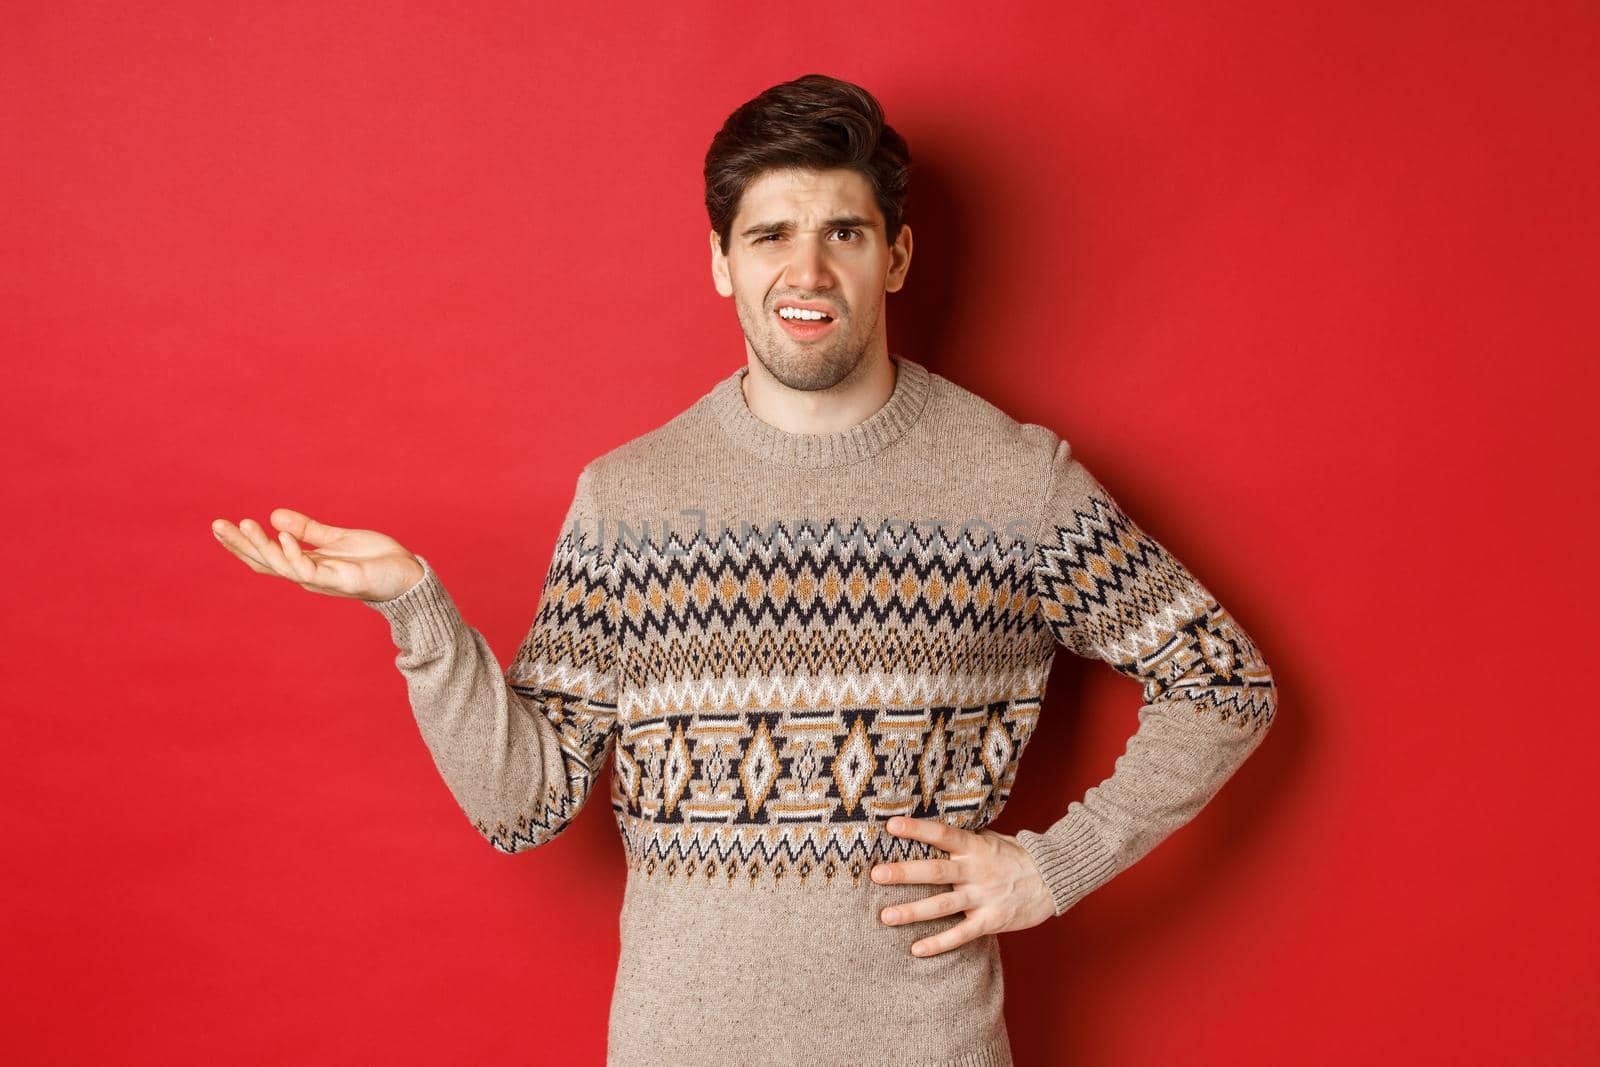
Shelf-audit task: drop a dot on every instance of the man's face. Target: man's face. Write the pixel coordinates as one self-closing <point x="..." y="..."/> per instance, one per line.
<point x="812" y="238"/>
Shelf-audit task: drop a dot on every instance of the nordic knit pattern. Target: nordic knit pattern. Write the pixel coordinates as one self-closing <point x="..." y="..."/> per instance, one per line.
<point x="779" y="641"/>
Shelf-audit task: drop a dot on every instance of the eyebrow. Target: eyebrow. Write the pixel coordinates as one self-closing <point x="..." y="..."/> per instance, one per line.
<point x="785" y="226"/>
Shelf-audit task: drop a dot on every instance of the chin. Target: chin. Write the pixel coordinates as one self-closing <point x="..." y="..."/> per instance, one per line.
<point x="811" y="371"/>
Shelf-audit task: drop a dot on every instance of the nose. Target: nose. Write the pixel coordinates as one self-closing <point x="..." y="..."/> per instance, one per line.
<point x="808" y="265"/>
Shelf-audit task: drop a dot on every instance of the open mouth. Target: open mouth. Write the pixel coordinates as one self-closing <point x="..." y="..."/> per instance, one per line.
<point x="804" y="325"/>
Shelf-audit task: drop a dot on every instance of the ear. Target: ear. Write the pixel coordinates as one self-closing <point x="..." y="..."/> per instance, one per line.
<point x="719" y="267"/>
<point x="899" y="260"/>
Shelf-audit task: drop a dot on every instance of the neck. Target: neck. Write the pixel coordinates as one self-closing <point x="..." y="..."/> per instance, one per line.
<point x="830" y="410"/>
<point x="910" y="384"/>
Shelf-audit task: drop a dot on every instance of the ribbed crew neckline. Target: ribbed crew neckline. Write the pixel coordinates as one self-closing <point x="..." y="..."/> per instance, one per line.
<point x="866" y="438"/>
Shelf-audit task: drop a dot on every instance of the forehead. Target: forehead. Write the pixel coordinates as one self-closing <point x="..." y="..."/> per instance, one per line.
<point x="799" y="194"/>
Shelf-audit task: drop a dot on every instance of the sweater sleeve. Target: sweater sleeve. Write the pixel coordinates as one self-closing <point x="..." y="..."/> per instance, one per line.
<point x="1109" y="591"/>
<point x="520" y="750"/>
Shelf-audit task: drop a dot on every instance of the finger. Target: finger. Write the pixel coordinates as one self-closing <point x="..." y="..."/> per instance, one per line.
<point x="945" y="940"/>
<point x="940" y="834"/>
<point x="239" y="545"/>
<point x="303" y="568"/>
<point x="927" y="908"/>
<point x="269" y="552"/>
<point x="304" y="527"/>
<point x="934" y="871"/>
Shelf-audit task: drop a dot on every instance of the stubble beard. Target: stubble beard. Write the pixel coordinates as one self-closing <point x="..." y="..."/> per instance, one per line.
<point x="798" y="365"/>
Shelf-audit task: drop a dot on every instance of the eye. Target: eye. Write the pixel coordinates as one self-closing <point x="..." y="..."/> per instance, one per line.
<point x="846" y="229"/>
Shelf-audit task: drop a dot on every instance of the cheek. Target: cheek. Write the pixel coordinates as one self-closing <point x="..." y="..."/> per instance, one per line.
<point x="749" y="290"/>
<point x="866" y="284"/>
<point x="751" y="309"/>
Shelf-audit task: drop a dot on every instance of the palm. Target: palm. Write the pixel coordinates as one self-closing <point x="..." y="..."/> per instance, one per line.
<point x="361" y="564"/>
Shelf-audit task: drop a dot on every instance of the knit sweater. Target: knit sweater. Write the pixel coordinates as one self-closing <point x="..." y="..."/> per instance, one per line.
<point x="781" y="640"/>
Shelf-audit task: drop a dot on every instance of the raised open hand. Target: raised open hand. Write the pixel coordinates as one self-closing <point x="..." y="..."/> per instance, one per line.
<point x="359" y="564"/>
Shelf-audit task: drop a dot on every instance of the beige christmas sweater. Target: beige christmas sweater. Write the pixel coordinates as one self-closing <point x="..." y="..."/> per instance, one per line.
<point x="781" y="640"/>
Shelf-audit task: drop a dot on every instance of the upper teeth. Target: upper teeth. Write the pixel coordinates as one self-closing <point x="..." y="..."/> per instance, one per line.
<point x="801" y="313"/>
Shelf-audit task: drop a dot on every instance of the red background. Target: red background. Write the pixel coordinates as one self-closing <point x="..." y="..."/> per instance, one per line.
<point x="1311" y="291"/>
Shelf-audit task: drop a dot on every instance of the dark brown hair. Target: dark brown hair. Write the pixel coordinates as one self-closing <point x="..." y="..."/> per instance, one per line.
<point x="813" y="122"/>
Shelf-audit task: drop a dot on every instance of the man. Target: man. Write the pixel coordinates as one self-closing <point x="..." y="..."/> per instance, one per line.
<point x="810" y="619"/>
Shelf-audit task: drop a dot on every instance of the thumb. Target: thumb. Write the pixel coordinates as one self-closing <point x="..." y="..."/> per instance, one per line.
<point x="303" y="527"/>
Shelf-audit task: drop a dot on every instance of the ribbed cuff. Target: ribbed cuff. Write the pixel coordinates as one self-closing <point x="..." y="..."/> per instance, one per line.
<point x="424" y="616"/>
<point x="1071" y="858"/>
